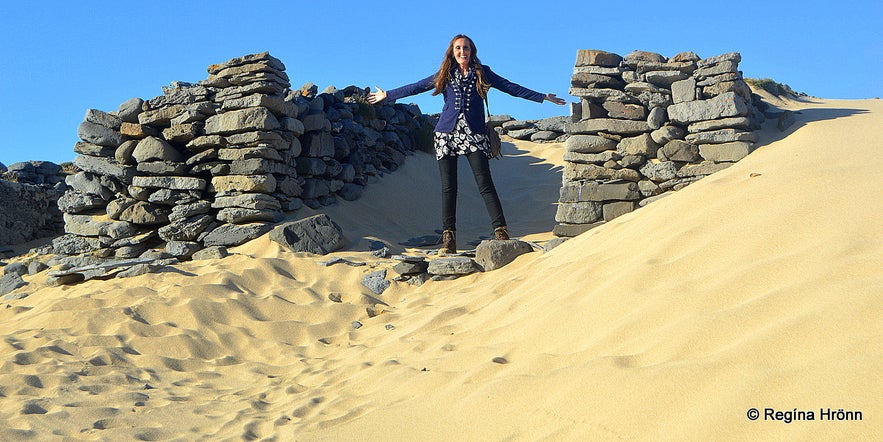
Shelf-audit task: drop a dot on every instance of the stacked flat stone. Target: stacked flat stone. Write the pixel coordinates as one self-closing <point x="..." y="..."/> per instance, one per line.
<point x="219" y="162"/>
<point x="29" y="193"/>
<point x="253" y="139"/>
<point x="29" y="212"/>
<point x="40" y="173"/>
<point x="647" y="125"/>
<point x="546" y="130"/>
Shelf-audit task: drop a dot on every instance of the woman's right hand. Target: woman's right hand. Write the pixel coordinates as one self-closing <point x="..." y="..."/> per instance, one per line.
<point x="375" y="97"/>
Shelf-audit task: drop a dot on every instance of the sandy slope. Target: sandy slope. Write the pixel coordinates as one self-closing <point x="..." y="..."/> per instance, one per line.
<point x="757" y="287"/>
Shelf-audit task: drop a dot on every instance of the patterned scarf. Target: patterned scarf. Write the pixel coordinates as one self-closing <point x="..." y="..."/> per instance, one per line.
<point x="466" y="83"/>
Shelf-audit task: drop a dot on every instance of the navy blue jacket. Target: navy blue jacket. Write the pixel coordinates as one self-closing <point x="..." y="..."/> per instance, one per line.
<point x="472" y="105"/>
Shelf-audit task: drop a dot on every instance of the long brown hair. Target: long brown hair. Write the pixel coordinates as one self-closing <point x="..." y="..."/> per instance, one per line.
<point x="444" y="72"/>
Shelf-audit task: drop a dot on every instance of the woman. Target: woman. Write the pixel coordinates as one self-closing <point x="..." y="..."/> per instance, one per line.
<point x="464" y="82"/>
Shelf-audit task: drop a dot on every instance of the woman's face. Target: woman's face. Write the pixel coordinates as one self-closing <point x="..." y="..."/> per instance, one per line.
<point x="462" y="52"/>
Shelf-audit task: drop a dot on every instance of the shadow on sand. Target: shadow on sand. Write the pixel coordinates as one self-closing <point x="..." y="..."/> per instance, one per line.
<point x="801" y="118"/>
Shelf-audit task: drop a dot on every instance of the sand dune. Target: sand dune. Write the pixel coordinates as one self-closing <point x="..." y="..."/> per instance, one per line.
<point x="759" y="287"/>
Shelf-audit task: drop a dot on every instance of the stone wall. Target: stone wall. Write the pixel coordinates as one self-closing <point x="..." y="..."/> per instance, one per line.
<point x="218" y="162"/>
<point x="546" y="130"/>
<point x="29" y="193"/>
<point x="646" y="126"/>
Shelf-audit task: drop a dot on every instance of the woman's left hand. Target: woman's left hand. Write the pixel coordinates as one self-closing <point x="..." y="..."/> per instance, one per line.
<point x="375" y="97"/>
<point x="554" y="99"/>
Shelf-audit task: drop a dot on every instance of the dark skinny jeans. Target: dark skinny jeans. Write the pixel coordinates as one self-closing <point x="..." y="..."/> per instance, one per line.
<point x="478" y="161"/>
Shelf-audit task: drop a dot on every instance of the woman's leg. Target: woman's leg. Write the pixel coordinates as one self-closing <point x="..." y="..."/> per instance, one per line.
<point x="447" y="167"/>
<point x="482" y="171"/>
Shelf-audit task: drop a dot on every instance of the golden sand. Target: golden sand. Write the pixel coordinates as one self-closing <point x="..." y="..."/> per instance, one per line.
<point x="758" y="287"/>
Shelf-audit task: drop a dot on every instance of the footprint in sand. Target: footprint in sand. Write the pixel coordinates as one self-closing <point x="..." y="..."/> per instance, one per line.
<point x="114" y="422"/>
<point x="27" y="358"/>
<point x="154" y="434"/>
<point x="257" y="429"/>
<point x="34" y="407"/>
<point x="33" y="381"/>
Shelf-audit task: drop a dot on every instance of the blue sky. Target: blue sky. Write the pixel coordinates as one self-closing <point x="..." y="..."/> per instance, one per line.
<point x="61" y="58"/>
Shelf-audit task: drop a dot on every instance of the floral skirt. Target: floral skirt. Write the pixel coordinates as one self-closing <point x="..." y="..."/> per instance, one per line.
<point x="460" y="141"/>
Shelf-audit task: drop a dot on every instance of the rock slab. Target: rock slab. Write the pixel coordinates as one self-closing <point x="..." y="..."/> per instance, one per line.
<point x="493" y="254"/>
<point x="317" y="234"/>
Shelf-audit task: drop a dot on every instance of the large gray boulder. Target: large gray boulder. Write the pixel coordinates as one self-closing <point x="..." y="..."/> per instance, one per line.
<point x="491" y="255"/>
<point x="725" y="105"/>
<point x="317" y="234"/>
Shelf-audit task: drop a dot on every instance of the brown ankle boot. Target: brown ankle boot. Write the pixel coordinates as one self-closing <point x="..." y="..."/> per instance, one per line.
<point x="449" y="242"/>
<point x="501" y="233"/>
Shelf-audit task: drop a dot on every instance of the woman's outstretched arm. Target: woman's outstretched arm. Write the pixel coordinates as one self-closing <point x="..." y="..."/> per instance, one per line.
<point x="517" y="90"/>
<point x="405" y="91"/>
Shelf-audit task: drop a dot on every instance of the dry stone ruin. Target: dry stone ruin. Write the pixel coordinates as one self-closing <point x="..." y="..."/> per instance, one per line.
<point x="29" y="193"/>
<point x="218" y="162"/>
<point x="647" y="125"/>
